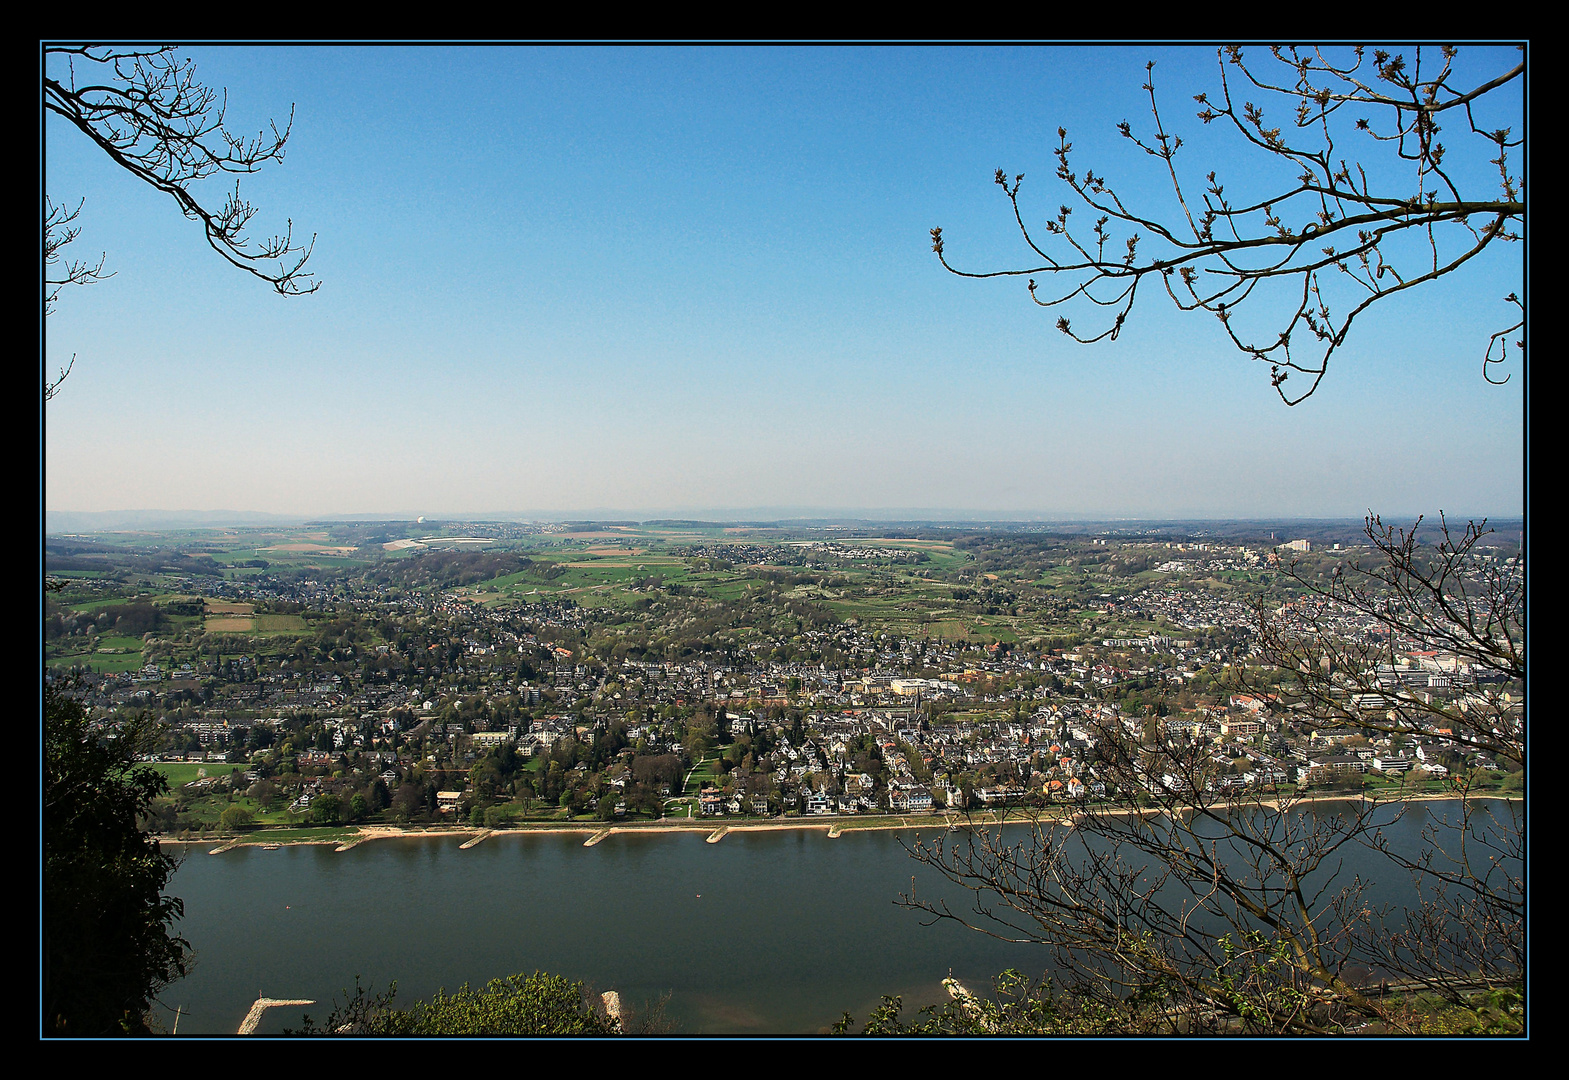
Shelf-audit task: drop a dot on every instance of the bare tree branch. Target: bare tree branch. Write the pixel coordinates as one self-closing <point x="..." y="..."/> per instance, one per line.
<point x="59" y="272"/>
<point x="147" y="110"/>
<point x="1326" y="233"/>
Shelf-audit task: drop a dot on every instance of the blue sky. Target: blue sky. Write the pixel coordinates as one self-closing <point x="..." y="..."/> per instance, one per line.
<point x="678" y="280"/>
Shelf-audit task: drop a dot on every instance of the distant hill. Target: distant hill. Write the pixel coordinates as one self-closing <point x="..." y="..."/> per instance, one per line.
<point x="57" y="522"/>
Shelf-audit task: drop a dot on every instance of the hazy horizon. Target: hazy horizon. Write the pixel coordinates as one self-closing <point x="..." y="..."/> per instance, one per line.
<point x="67" y="521"/>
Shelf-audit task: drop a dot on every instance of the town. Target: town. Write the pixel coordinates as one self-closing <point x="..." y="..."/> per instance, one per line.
<point x="492" y="675"/>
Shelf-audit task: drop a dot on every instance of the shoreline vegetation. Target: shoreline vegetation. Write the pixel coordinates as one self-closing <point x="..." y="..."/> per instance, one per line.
<point x="348" y="836"/>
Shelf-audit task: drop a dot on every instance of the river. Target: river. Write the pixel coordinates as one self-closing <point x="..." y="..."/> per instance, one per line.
<point x="763" y="932"/>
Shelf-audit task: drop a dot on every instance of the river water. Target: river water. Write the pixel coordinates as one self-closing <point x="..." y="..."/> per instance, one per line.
<point x="763" y="932"/>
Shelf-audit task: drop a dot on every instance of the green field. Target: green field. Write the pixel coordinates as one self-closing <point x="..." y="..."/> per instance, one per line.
<point x="338" y="834"/>
<point x="611" y="567"/>
<point x="92" y="661"/>
<point x="899" y="599"/>
<point x="101" y="602"/>
<point x="281" y="624"/>
<point x="180" y="773"/>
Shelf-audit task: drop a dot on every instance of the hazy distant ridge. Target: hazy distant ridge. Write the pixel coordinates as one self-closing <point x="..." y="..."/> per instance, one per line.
<point x="85" y="521"/>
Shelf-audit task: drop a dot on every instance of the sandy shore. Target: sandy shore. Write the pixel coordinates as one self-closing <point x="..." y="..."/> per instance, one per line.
<point x="699" y="826"/>
<point x="835" y="826"/>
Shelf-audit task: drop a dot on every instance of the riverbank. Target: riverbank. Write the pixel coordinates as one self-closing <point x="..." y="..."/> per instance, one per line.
<point x="346" y="837"/>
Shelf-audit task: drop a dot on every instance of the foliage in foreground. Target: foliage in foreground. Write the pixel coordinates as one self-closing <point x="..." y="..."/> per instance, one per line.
<point x="537" y="1004"/>
<point x="1020" y="1006"/>
<point x="108" y="945"/>
<point x="1495" y="1012"/>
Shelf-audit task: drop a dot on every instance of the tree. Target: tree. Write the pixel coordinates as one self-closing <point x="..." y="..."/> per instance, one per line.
<point x="537" y="1004"/>
<point x="1464" y="605"/>
<point x="1180" y="902"/>
<point x="108" y="940"/>
<point x="326" y="808"/>
<point x="146" y="109"/>
<point x="1334" y="234"/>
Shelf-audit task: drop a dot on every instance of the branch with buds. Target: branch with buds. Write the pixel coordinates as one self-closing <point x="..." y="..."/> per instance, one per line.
<point x="1318" y="251"/>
